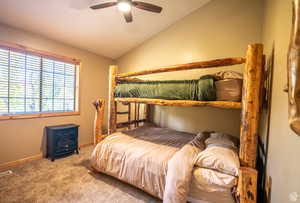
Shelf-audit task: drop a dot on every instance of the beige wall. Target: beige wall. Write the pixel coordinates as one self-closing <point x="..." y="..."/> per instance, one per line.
<point x="284" y="145"/>
<point x="219" y="29"/>
<point x="23" y="138"/>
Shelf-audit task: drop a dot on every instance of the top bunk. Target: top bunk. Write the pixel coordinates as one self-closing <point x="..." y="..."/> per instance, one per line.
<point x="170" y="86"/>
<point x="251" y="80"/>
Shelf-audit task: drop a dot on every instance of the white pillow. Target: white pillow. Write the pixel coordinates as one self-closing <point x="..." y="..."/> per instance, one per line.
<point x="223" y="75"/>
<point x="216" y="138"/>
<point x="222" y="159"/>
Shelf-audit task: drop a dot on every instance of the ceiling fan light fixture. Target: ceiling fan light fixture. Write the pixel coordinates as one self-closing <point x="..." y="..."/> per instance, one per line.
<point x="124" y="6"/>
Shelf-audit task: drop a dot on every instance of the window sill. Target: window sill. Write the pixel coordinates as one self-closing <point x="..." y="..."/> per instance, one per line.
<point x="38" y="115"/>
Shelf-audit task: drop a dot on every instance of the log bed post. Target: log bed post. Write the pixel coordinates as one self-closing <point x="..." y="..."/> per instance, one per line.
<point x="112" y="104"/>
<point x="251" y="105"/>
<point x="98" y="122"/>
<point x="147" y="113"/>
<point x="129" y="115"/>
<point x="247" y="185"/>
<point x="247" y="181"/>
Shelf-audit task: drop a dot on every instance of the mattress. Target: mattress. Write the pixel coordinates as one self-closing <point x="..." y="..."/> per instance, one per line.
<point x="200" y="90"/>
<point x="140" y="157"/>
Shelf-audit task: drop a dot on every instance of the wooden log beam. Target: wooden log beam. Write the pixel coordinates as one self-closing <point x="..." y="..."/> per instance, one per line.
<point x="138" y="114"/>
<point x="129" y="115"/>
<point x="135" y="114"/>
<point x="251" y="105"/>
<point x="112" y="104"/>
<point x="128" y="80"/>
<point x="189" y="66"/>
<point x="122" y="112"/>
<point x="247" y="185"/>
<point x="98" y="123"/>
<point x="126" y="124"/>
<point x="148" y="113"/>
<point x="162" y="102"/>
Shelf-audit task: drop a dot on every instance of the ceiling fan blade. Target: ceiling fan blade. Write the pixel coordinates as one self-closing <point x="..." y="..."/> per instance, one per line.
<point x="104" y="5"/>
<point x="128" y="16"/>
<point x="147" y="6"/>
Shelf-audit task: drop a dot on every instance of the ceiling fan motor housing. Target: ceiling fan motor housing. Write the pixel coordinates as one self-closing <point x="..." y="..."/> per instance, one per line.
<point x="125" y="1"/>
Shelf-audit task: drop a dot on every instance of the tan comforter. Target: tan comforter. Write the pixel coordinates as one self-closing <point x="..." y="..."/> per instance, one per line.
<point x="139" y="157"/>
<point x="142" y="157"/>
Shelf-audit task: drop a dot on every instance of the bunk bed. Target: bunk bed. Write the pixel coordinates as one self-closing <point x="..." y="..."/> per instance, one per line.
<point x="246" y="182"/>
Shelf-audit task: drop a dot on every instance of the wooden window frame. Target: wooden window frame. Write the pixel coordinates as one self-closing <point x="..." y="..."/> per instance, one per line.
<point x="48" y="55"/>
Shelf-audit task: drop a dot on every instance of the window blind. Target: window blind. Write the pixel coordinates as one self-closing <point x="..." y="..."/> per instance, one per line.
<point x="32" y="84"/>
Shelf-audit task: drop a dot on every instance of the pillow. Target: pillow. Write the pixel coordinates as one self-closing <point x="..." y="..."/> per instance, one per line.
<point x="219" y="158"/>
<point x="229" y="90"/>
<point x="223" y="75"/>
<point x="222" y="139"/>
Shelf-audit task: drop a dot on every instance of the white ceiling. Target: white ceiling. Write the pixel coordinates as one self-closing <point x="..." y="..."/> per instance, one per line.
<point x="104" y="32"/>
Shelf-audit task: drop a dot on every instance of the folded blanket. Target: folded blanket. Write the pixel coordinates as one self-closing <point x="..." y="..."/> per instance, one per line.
<point x="180" y="168"/>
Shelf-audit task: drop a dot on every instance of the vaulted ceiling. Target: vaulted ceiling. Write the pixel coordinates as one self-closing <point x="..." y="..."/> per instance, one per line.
<point x="103" y="32"/>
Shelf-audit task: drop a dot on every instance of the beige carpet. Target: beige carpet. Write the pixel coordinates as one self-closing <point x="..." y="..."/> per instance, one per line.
<point x="66" y="180"/>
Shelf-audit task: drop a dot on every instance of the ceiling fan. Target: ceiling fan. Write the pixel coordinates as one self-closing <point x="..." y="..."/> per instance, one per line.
<point x="126" y="6"/>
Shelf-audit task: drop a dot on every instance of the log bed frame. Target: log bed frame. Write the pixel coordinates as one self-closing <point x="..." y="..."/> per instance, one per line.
<point x="250" y="107"/>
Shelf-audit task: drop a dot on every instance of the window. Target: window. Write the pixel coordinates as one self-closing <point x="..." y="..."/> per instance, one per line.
<point x="34" y="84"/>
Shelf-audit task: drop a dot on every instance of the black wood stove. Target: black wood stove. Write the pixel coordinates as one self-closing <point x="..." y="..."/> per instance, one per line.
<point x="62" y="140"/>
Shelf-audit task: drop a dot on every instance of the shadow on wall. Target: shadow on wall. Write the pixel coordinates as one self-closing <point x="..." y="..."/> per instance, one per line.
<point x="198" y="119"/>
<point x="264" y="182"/>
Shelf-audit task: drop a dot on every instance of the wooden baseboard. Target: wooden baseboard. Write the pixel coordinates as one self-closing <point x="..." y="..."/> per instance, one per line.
<point x="21" y="161"/>
<point x="85" y="145"/>
<point x="32" y="158"/>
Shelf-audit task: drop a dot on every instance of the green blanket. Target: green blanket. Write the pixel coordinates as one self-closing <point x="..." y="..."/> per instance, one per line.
<point x="202" y="89"/>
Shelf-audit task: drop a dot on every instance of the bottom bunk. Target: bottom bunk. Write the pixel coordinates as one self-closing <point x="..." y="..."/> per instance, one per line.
<point x="171" y="165"/>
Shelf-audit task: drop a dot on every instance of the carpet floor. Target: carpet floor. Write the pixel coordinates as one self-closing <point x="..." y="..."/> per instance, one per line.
<point x="67" y="180"/>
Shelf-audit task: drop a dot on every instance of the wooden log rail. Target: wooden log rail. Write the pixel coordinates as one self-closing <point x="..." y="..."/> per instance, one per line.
<point x="123" y="112"/>
<point x="189" y="66"/>
<point x="119" y="80"/>
<point x="163" y="102"/>
<point x="127" y="124"/>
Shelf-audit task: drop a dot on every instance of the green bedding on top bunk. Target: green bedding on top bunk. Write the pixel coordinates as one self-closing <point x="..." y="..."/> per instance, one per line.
<point x="202" y="89"/>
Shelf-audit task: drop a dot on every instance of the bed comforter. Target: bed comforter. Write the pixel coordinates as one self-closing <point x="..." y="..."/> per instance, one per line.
<point x="159" y="161"/>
